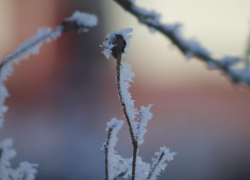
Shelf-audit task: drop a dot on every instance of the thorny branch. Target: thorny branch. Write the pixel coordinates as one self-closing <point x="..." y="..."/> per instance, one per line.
<point x="171" y="32"/>
<point x="117" y="54"/>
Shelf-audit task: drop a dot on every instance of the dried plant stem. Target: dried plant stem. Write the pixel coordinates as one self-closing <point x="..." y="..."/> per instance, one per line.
<point x="106" y="155"/>
<point x="156" y="164"/>
<point x="1" y="153"/>
<point x="118" y="55"/>
<point x="120" y="175"/>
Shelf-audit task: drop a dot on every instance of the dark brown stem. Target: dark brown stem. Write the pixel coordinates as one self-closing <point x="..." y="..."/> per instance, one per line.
<point x="118" y="55"/>
<point x="106" y="155"/>
<point x="156" y="164"/>
<point x="120" y="175"/>
<point x="1" y="153"/>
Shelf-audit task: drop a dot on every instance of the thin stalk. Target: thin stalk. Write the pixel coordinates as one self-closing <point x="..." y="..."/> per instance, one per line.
<point x="120" y="175"/>
<point x="1" y="153"/>
<point x="106" y="155"/>
<point x="118" y="56"/>
<point x="156" y="164"/>
<point x="134" y="142"/>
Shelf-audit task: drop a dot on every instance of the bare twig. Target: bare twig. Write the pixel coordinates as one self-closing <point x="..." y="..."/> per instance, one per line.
<point x="151" y="19"/>
<point x="117" y="54"/>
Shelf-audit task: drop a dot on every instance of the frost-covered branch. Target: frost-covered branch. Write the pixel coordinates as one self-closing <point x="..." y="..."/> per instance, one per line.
<point x="159" y="162"/>
<point x="115" y="165"/>
<point x="144" y="116"/>
<point x="78" y="21"/>
<point x="117" y="44"/>
<point x="189" y="47"/>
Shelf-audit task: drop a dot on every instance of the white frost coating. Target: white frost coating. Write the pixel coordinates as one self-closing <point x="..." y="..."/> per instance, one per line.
<point x="142" y="169"/>
<point x="3" y="95"/>
<point x="147" y="16"/>
<point x="84" y="20"/>
<point x="242" y="73"/>
<point x="159" y="163"/>
<point x="211" y="65"/>
<point x="116" y="164"/>
<point x="116" y="126"/>
<point x="7" y="153"/>
<point x="126" y="75"/>
<point x="194" y="48"/>
<point x="153" y="18"/>
<point x="108" y="43"/>
<point x="229" y="60"/>
<point x="25" y="169"/>
<point x="144" y="116"/>
<point x="28" y="47"/>
<point x="23" y="51"/>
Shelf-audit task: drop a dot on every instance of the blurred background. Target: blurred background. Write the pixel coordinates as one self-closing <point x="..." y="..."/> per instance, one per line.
<point x="62" y="99"/>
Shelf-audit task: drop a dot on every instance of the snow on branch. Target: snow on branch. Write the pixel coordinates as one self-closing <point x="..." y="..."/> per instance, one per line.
<point x="189" y="47"/>
<point x="78" y="21"/>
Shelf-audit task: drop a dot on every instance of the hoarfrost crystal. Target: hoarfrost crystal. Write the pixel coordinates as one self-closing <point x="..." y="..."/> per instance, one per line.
<point x="108" y="44"/>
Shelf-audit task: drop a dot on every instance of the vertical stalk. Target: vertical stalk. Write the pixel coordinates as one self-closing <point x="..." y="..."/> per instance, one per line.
<point x="106" y="155"/>
<point x="117" y="53"/>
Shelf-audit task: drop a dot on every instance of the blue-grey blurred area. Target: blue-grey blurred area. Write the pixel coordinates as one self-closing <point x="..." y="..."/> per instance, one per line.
<point x="61" y="100"/>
